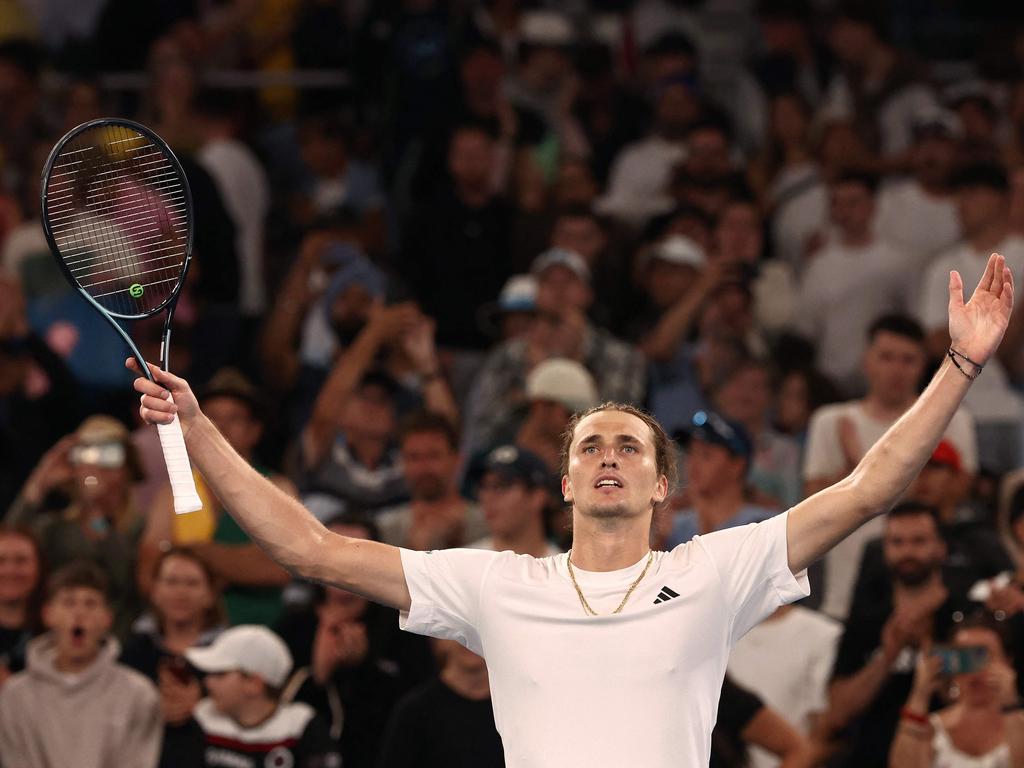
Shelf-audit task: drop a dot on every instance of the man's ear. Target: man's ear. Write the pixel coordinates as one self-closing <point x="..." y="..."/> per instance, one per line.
<point x="661" y="491"/>
<point x="566" y="489"/>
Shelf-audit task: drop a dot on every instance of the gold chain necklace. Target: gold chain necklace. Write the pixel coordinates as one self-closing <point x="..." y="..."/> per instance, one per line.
<point x="583" y="601"/>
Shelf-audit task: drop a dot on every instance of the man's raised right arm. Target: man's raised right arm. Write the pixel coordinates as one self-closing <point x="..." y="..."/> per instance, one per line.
<point x="295" y="539"/>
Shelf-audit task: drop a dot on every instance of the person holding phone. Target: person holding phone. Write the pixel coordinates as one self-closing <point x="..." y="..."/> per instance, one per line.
<point x="984" y="726"/>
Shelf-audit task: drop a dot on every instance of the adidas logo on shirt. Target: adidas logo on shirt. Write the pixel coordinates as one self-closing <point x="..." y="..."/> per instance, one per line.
<point x="665" y="595"/>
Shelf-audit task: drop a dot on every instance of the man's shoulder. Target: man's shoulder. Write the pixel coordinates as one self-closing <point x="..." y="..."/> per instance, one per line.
<point x="827" y="414"/>
<point x="134" y="681"/>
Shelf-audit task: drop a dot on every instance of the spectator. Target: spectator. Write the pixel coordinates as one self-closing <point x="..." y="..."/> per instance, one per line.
<point x="37" y="395"/>
<point x="887" y="628"/>
<point x="787" y="660"/>
<point x="561" y="330"/>
<point x="244" y="187"/>
<point x="802" y="391"/>
<point x="243" y="718"/>
<point x="982" y="207"/>
<point x="514" y="492"/>
<point x="74" y="704"/>
<point x="718" y="458"/>
<point x="638" y="183"/>
<point x="670" y="272"/>
<point x="516" y="308"/>
<point x="745" y="719"/>
<point x="840" y="435"/>
<point x="555" y="390"/>
<point x="744" y="395"/>
<point x="854" y="279"/>
<point x="447" y="722"/>
<point x="462" y="229"/>
<point x="436" y="517"/>
<point x="252" y="582"/>
<point x="877" y="85"/>
<point x="918" y="214"/>
<point x="78" y="502"/>
<point x="983" y="725"/>
<point x="349" y="451"/>
<point x="186" y="610"/>
<point x="21" y="582"/>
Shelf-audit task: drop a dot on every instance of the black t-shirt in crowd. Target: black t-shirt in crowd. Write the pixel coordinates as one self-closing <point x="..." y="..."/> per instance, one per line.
<point x="736" y="708"/>
<point x="434" y="727"/>
<point x="870" y="736"/>
<point x="13" y="644"/>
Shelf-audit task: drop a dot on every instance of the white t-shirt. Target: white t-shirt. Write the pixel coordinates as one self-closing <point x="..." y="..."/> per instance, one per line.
<point x="487" y="542"/>
<point x="844" y="290"/>
<point x="788" y="663"/>
<point x="990" y="398"/>
<point x="920" y="224"/>
<point x="637" y="688"/>
<point x="823" y="458"/>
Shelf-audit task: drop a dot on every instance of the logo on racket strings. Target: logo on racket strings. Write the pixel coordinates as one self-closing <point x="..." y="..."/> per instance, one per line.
<point x="135" y="290"/>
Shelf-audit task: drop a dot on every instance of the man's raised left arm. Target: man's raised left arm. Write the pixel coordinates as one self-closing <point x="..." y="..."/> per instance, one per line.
<point x="887" y="469"/>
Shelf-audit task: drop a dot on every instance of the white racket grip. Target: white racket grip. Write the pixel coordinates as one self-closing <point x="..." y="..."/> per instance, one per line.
<point x="179" y="470"/>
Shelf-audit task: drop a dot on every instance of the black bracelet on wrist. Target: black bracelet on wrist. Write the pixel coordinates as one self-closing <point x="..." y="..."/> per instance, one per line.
<point x="953" y="355"/>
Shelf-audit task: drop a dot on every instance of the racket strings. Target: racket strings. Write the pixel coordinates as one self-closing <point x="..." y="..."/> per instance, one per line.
<point x="118" y="212"/>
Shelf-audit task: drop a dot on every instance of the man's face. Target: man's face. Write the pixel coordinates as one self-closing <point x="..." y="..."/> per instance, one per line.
<point x="613" y="469"/>
<point x="234" y="419"/>
<point x="104" y="485"/>
<point x="508" y="504"/>
<point x="676" y="109"/>
<point x="19" y="568"/>
<point x="853" y="207"/>
<point x="580" y="234"/>
<point x="933" y="158"/>
<point x="667" y="283"/>
<point x="850" y="41"/>
<point x="738" y="235"/>
<point x="979" y="207"/>
<point x="746" y="396"/>
<point x="370" y="413"/>
<point x="430" y="464"/>
<point x="708" y="154"/>
<point x="80" y="620"/>
<point x="711" y="468"/>
<point x="231" y="691"/>
<point x="936" y="485"/>
<point x="181" y="591"/>
<point x="893" y="365"/>
<point x="559" y="290"/>
<point x="913" y="548"/>
<point x="471" y="159"/>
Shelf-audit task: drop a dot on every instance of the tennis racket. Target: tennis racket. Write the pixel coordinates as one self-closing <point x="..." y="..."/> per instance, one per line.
<point x="117" y="214"/>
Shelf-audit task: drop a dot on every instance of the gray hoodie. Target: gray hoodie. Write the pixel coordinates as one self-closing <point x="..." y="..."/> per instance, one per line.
<point x="106" y="716"/>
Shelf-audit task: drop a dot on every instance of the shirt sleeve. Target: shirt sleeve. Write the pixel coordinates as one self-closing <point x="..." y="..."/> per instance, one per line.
<point x="753" y="565"/>
<point x="445" y="586"/>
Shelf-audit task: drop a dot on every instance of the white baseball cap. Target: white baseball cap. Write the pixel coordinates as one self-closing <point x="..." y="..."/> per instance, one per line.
<point x="564" y="381"/>
<point x="561" y="257"/>
<point x="247" y="648"/>
<point x="681" y="250"/>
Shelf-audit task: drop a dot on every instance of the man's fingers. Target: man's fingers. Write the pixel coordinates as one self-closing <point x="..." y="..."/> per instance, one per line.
<point x="956" y="290"/>
<point x="989" y="274"/>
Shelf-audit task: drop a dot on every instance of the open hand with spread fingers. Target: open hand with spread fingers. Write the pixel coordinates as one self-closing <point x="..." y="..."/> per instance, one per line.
<point x="977" y="327"/>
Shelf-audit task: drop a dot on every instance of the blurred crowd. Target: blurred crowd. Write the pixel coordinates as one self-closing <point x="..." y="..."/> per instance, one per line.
<point x="407" y="277"/>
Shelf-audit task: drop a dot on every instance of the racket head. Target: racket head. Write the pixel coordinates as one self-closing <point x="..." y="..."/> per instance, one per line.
<point x="117" y="214"/>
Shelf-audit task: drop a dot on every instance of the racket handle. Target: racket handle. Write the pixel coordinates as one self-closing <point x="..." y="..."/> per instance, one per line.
<point x="183" y="486"/>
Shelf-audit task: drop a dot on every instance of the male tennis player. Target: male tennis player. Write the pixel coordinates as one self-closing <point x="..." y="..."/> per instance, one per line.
<point x="612" y="655"/>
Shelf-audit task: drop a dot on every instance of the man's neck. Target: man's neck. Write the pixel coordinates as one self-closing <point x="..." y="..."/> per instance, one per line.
<point x="882" y="410"/>
<point x="13" y="615"/>
<point x="528" y="541"/>
<point x="609" y="544"/>
<point x="988" y="238"/>
<point x="469" y="685"/>
<point x="183" y="635"/>
<point x="72" y="665"/>
<point x="717" y="508"/>
<point x="255" y="712"/>
<point x="368" y="452"/>
<point x="932" y="586"/>
<point x="428" y="508"/>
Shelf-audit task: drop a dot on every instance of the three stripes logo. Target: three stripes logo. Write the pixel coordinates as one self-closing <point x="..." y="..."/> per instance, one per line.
<point x="665" y="595"/>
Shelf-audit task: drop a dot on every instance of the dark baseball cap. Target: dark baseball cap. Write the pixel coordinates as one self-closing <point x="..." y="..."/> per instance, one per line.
<point x="513" y="463"/>
<point x="713" y="428"/>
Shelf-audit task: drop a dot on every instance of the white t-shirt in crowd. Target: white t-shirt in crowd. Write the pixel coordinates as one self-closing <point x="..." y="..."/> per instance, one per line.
<point x="920" y="224"/>
<point x="636" y="688"/>
<point x="823" y="458"/>
<point x="638" y="185"/>
<point x="844" y="290"/>
<point x="788" y="663"/>
<point x="990" y="398"/>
